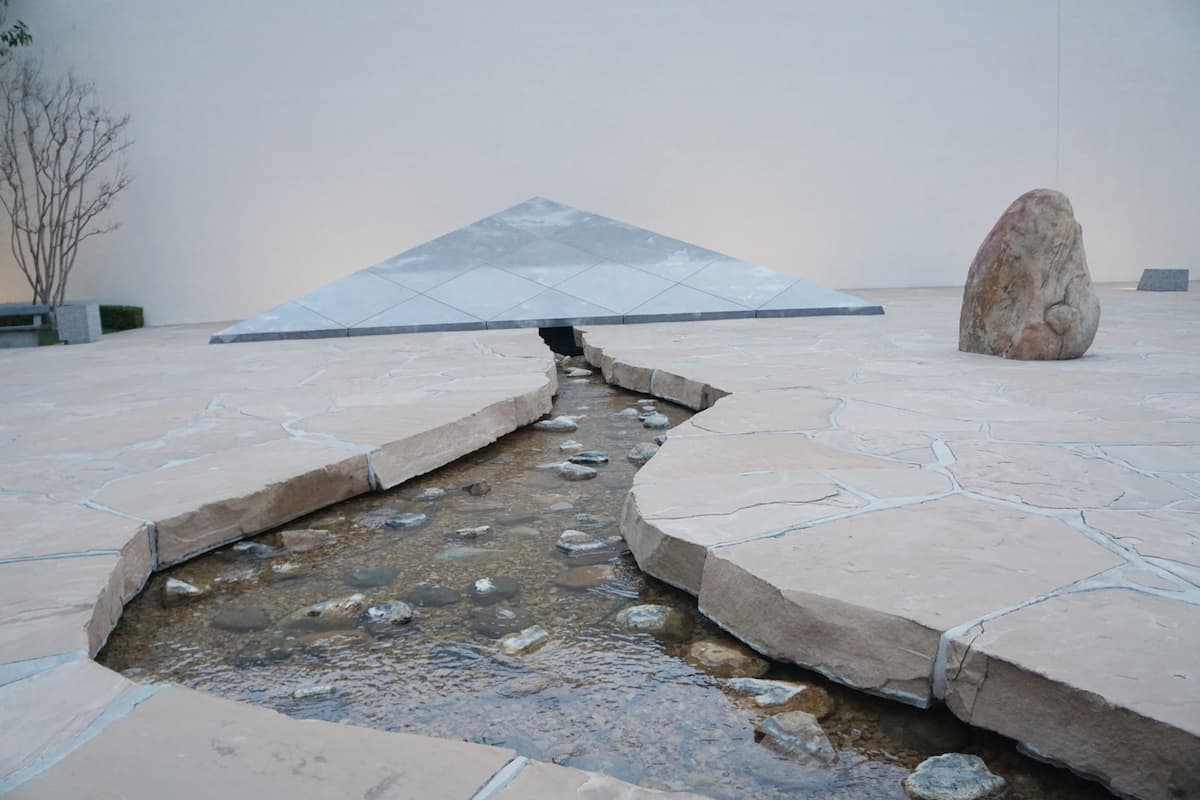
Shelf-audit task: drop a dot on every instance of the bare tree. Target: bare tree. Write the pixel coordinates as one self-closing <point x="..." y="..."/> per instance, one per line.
<point x="61" y="167"/>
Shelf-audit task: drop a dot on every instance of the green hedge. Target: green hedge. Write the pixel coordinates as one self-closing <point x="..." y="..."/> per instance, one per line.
<point x="121" y="318"/>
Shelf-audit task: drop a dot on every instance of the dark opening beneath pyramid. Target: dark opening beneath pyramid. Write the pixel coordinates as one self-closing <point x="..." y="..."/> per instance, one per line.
<point x="542" y="264"/>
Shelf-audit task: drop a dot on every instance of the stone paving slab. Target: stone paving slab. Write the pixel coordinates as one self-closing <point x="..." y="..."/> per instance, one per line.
<point x="548" y="781"/>
<point x="221" y="497"/>
<point x="149" y="446"/>
<point x="37" y="528"/>
<point x="40" y="715"/>
<point x="185" y="744"/>
<point x="848" y="599"/>
<point x="1021" y="673"/>
<point x="991" y="494"/>
<point x="59" y="605"/>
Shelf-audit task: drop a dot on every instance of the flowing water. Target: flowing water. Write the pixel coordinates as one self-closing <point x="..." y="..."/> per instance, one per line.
<point x="594" y="696"/>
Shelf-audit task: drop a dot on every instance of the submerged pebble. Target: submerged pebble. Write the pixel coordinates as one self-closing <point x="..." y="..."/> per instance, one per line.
<point x="656" y="619"/>
<point x="798" y="735"/>
<point x="575" y="542"/>
<point x="585" y="577"/>
<point x="589" y="457"/>
<point x="305" y="692"/>
<point x="478" y="488"/>
<point x="495" y="621"/>
<point x="953" y="776"/>
<point x="642" y="452"/>
<point x="396" y="612"/>
<point x="336" y="614"/>
<point x="494" y="589"/>
<point x="257" y="549"/>
<point x="656" y="422"/>
<point x="524" y="641"/>
<point x="576" y="472"/>
<point x="560" y="424"/>
<point x="406" y="521"/>
<point x="726" y="659"/>
<point x="790" y="696"/>
<point x="176" y="591"/>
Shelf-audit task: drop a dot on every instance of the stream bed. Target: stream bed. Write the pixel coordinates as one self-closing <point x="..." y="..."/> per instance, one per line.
<point x="473" y="550"/>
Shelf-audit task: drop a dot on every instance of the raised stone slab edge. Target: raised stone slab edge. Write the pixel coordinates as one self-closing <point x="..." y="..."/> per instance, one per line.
<point x="67" y="603"/>
<point x="1014" y="674"/>
<point x="955" y="661"/>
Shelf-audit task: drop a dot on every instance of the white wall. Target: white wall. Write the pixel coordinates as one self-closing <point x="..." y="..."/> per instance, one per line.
<point x="285" y="143"/>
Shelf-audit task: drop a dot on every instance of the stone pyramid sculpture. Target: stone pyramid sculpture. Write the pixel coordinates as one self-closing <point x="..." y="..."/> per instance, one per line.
<point x="543" y="264"/>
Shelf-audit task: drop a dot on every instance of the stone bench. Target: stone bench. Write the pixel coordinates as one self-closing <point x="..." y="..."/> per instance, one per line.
<point x="21" y="335"/>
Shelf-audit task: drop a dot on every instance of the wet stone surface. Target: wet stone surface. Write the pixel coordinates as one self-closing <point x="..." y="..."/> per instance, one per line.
<point x="447" y="639"/>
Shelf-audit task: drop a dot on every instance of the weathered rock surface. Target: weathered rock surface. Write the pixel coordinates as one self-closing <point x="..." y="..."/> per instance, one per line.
<point x="796" y="734"/>
<point x="953" y="776"/>
<point x="656" y="619"/>
<point x="1029" y="294"/>
<point x="726" y="659"/>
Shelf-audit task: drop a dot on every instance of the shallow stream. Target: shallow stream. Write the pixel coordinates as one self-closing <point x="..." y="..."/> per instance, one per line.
<point x="594" y="696"/>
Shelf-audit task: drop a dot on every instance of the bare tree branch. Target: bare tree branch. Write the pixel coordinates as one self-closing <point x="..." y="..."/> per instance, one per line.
<point x="61" y="167"/>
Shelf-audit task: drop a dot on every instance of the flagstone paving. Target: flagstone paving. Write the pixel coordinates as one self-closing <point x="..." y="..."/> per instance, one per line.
<point x="144" y="449"/>
<point x="1019" y="539"/>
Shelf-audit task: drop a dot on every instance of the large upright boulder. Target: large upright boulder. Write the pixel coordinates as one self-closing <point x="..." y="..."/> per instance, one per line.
<point x="1028" y="294"/>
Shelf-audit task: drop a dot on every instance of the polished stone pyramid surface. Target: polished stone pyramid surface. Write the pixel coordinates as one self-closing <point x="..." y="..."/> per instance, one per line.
<point x="543" y="264"/>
